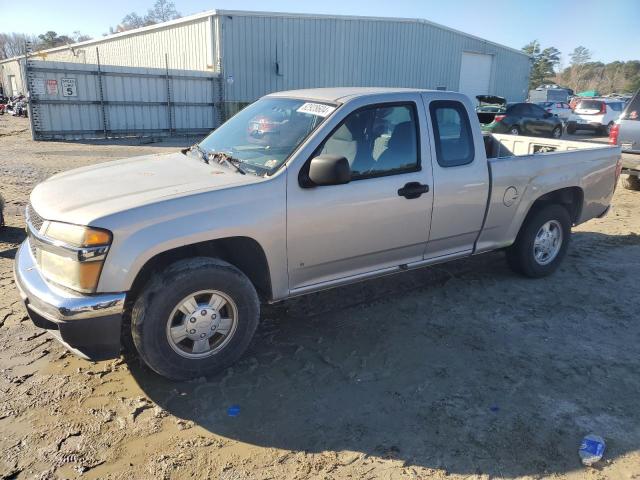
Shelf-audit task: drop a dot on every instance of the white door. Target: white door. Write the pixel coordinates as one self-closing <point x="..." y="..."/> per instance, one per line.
<point x="14" y="85"/>
<point x="475" y="74"/>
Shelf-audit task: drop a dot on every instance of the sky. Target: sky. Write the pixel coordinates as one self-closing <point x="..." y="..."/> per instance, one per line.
<point x="610" y="29"/>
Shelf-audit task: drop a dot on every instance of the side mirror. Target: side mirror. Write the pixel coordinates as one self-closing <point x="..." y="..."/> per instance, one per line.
<point x="329" y="170"/>
<point x="548" y="114"/>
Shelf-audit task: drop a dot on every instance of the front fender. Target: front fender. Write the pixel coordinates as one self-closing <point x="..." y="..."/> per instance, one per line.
<point x="257" y="211"/>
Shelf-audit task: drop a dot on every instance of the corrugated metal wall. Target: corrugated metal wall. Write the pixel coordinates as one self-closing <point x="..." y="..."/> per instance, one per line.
<point x="120" y="101"/>
<point x="322" y="52"/>
<point x="188" y="46"/>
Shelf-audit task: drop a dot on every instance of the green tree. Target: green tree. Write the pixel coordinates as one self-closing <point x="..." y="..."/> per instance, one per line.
<point x="51" y="39"/>
<point x="543" y="64"/>
<point x="162" y="11"/>
<point x="580" y="56"/>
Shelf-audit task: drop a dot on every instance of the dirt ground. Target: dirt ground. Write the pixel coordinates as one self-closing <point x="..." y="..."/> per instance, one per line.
<point x="464" y="370"/>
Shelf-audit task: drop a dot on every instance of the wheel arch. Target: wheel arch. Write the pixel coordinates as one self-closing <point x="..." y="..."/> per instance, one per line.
<point x="245" y="253"/>
<point x="572" y="198"/>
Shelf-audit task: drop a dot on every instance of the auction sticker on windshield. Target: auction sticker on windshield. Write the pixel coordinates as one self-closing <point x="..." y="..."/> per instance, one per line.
<point x="316" y="109"/>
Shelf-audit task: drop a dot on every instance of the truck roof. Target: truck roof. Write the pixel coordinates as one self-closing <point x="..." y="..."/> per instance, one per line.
<point x="342" y="94"/>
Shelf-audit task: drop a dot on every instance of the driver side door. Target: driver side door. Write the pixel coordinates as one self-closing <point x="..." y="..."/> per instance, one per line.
<point x="341" y="232"/>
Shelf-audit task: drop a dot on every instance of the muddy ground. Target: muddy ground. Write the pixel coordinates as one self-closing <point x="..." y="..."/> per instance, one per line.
<point x="464" y="370"/>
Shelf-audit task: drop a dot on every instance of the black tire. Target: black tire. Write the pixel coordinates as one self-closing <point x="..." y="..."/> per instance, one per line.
<point x="631" y="182"/>
<point x="520" y="256"/>
<point x="604" y="130"/>
<point x="514" y="130"/>
<point x="571" y="128"/>
<point x="154" y="306"/>
<point x="557" y="132"/>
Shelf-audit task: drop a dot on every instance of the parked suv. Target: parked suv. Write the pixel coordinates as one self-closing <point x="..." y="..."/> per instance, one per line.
<point x="521" y="119"/>
<point x="561" y="109"/>
<point x="596" y="114"/>
<point x="626" y="133"/>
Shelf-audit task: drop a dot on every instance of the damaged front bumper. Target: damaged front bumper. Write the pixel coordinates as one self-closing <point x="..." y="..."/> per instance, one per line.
<point x="88" y="325"/>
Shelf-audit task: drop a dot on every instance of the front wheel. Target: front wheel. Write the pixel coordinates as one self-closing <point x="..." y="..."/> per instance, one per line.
<point x="557" y="132"/>
<point x="514" y="131"/>
<point x="195" y="319"/>
<point x="541" y="243"/>
<point x="571" y="128"/>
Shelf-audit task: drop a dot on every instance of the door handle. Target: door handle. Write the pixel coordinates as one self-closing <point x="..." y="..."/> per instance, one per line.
<point x="413" y="190"/>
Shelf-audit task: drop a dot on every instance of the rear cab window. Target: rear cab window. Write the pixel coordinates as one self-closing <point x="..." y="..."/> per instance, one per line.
<point x="452" y="133"/>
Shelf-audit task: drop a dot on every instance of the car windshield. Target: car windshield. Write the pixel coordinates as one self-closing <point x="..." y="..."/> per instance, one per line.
<point x="263" y="135"/>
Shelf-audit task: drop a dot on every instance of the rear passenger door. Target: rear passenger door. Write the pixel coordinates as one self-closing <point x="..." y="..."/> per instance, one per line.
<point x="460" y="177"/>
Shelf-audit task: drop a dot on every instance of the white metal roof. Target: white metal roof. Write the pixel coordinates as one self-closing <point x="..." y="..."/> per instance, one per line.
<point x="211" y="13"/>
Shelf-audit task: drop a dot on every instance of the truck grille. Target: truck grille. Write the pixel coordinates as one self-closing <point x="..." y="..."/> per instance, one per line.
<point x="34" y="223"/>
<point x="33" y="219"/>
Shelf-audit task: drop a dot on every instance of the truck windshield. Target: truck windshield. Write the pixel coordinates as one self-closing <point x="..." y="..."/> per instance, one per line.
<point x="265" y="134"/>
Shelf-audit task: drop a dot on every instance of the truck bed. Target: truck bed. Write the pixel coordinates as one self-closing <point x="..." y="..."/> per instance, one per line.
<point x="501" y="145"/>
<point x="525" y="168"/>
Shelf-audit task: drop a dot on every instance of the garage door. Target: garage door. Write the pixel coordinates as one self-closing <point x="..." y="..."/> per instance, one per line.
<point x="475" y="74"/>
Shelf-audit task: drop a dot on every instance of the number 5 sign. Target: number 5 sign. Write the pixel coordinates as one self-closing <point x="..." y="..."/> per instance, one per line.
<point x="69" y="87"/>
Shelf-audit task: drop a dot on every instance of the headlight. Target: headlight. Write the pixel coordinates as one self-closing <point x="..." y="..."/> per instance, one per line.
<point x="71" y="255"/>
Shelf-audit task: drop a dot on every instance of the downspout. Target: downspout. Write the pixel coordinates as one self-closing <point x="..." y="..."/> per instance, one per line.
<point x="218" y="62"/>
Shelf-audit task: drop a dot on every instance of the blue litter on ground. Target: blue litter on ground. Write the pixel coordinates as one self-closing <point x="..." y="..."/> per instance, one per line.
<point x="591" y="449"/>
<point x="494" y="408"/>
<point x="233" y="410"/>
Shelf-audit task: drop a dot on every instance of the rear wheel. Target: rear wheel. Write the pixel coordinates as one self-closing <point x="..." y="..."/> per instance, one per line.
<point x="606" y="129"/>
<point x="195" y="319"/>
<point x="541" y="243"/>
<point x="514" y="131"/>
<point x="557" y="132"/>
<point x="631" y="182"/>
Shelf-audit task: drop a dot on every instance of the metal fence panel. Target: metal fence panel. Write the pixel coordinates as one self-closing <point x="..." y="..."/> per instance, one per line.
<point x="75" y="101"/>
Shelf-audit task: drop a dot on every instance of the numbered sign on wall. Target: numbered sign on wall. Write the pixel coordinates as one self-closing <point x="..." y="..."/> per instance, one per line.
<point x="69" y="87"/>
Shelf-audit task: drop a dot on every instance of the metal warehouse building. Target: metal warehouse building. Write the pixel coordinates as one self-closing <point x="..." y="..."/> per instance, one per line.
<point x="249" y="54"/>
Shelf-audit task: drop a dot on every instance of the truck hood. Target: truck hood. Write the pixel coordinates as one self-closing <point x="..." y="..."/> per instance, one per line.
<point x="85" y="194"/>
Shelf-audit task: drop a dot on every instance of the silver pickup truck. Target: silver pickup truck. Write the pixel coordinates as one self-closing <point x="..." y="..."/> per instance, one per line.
<point x="300" y="191"/>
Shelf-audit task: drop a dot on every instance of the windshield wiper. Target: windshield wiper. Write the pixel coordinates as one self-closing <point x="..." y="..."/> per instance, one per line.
<point x="224" y="157"/>
<point x="199" y="149"/>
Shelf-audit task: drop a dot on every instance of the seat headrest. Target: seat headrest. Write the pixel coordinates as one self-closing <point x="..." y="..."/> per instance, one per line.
<point x="403" y="135"/>
<point x="343" y="133"/>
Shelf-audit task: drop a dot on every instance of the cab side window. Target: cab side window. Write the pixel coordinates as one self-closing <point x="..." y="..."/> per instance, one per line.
<point x="452" y="133"/>
<point x="377" y="141"/>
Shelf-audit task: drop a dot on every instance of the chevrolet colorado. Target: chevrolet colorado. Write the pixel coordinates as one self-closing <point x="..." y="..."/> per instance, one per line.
<point x="300" y="191"/>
